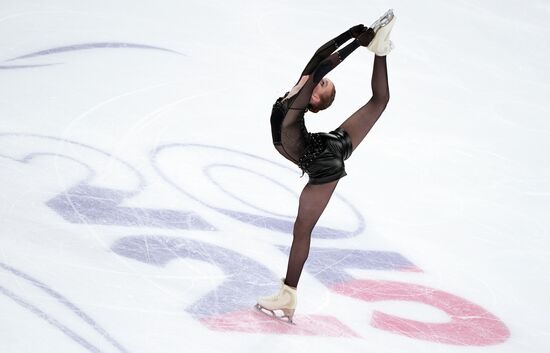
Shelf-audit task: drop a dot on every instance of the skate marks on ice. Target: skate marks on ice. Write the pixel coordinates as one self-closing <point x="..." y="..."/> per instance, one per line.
<point x="468" y="325"/>
<point x="228" y="307"/>
<point x="83" y="202"/>
<point x="56" y="313"/>
<point x="206" y="162"/>
<point x="107" y="181"/>
<point x="308" y="325"/>
<point x="78" y="47"/>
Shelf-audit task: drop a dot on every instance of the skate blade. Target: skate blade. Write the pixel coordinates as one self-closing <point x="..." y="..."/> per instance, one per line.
<point x="286" y="317"/>
<point x="383" y="20"/>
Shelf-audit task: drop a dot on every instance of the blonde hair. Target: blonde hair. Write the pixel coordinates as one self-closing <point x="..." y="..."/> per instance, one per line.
<point x="325" y="103"/>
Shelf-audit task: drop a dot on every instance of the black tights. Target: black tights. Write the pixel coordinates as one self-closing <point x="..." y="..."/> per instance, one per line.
<point x="314" y="198"/>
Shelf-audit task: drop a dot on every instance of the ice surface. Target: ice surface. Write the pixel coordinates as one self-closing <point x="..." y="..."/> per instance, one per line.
<point x="143" y="207"/>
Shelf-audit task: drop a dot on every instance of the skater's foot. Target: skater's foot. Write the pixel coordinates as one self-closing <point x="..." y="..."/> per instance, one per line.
<point x="284" y="301"/>
<point x="381" y="45"/>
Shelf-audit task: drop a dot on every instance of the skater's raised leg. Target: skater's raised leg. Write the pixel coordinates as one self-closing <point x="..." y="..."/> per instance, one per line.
<point x="359" y="123"/>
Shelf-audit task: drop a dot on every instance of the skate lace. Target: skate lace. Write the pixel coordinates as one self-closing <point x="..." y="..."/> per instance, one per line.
<point x="273" y="297"/>
<point x="277" y="296"/>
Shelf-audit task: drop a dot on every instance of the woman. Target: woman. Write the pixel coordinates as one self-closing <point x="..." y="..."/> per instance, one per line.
<point x="322" y="155"/>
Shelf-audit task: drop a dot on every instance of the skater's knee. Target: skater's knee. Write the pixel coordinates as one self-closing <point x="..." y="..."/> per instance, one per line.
<point x="303" y="228"/>
<point x="301" y="231"/>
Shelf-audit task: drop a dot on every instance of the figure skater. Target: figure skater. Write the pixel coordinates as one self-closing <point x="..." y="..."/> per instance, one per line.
<point x="321" y="155"/>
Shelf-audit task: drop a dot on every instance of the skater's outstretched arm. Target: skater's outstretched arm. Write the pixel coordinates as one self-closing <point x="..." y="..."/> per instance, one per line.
<point x="333" y="60"/>
<point x="325" y="51"/>
<point x="329" y="47"/>
<point x="324" y="67"/>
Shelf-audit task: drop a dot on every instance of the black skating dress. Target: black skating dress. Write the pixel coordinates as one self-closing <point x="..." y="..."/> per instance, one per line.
<point x="321" y="155"/>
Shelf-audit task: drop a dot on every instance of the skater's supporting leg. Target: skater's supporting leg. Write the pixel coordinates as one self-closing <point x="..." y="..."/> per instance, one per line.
<point x="359" y="123"/>
<point x="313" y="201"/>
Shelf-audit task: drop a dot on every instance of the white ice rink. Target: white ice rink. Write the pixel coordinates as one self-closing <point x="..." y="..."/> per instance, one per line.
<point x="143" y="207"/>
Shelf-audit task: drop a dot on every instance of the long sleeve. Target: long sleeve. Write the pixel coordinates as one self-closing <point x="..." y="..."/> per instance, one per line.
<point x="334" y="60"/>
<point x="301" y="100"/>
<point x="325" y="50"/>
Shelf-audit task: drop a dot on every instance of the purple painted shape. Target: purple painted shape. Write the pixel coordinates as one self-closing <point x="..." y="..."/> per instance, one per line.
<point x="245" y="278"/>
<point x="42" y="315"/>
<point x="86" y="46"/>
<point x="208" y="173"/>
<point x="282" y="225"/>
<point x="258" y="220"/>
<point x="12" y="67"/>
<point x="27" y="158"/>
<point x="329" y="265"/>
<point x="65" y="302"/>
<point x="94" y="205"/>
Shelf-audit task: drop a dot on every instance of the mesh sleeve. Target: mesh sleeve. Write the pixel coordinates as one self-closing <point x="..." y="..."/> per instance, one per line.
<point x="334" y="60"/>
<point x="325" y="50"/>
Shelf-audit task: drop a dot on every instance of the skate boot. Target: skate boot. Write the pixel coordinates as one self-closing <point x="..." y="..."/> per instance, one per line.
<point x="284" y="301"/>
<point x="381" y="45"/>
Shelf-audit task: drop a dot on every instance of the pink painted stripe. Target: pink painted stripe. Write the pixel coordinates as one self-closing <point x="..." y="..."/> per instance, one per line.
<point x="252" y="321"/>
<point x="468" y="325"/>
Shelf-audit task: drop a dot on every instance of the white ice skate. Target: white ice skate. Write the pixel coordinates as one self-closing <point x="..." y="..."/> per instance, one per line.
<point x="284" y="301"/>
<point x="383" y="20"/>
<point x="381" y="45"/>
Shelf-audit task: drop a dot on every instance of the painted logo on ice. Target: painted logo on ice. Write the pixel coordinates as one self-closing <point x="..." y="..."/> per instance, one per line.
<point x="244" y="277"/>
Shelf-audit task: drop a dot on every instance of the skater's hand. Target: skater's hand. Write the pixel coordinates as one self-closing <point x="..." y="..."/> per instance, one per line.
<point x="355" y="31"/>
<point x="366" y="36"/>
